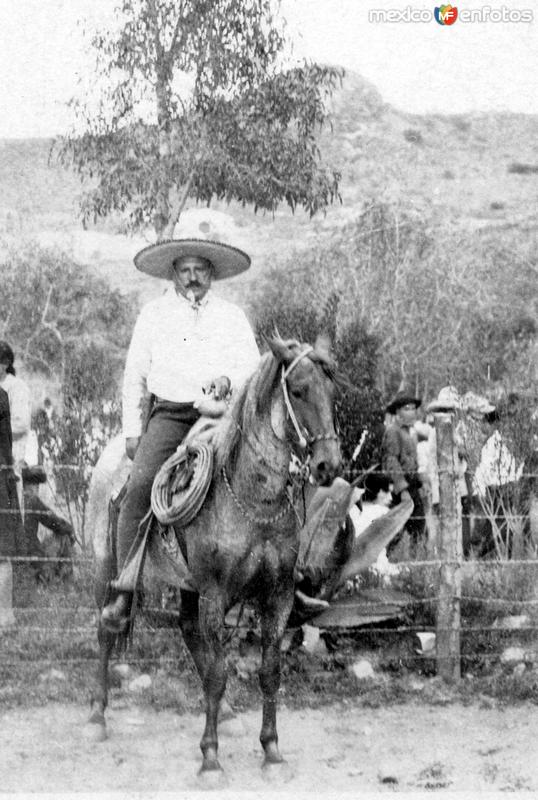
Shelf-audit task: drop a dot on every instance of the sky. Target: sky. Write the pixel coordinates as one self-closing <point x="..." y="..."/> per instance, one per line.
<point x="418" y="67"/>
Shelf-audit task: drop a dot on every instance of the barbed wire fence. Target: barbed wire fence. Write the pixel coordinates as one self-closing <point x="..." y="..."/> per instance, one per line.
<point x="447" y="581"/>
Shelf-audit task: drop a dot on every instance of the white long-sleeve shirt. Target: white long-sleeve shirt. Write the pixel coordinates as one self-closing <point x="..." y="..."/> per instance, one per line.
<point x="20" y="409"/>
<point x="176" y="349"/>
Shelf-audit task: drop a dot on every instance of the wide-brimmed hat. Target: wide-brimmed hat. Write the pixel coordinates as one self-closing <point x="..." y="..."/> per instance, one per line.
<point x="402" y="398"/>
<point x="477" y="403"/>
<point x="448" y="399"/>
<point x="157" y="259"/>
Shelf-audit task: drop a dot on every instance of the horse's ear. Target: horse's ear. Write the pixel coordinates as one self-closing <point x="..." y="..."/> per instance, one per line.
<point x="324" y="346"/>
<point x="280" y="350"/>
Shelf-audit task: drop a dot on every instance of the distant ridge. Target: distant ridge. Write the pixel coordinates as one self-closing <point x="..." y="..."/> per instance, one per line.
<point x="455" y="168"/>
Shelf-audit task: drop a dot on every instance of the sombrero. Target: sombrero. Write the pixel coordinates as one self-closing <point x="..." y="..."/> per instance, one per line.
<point x="402" y="398"/>
<point x="157" y="259"/>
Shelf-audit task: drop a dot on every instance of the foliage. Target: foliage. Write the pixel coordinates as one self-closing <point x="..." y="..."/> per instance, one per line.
<point x="70" y="325"/>
<point x="443" y="306"/>
<point x="54" y="309"/>
<point x="195" y="102"/>
<point x="289" y="307"/>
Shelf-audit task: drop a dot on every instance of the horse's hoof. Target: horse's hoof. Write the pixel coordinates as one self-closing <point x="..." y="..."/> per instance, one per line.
<point x="212" y="777"/>
<point x="95" y="731"/>
<point x="272" y="755"/>
<point x="276" y="772"/>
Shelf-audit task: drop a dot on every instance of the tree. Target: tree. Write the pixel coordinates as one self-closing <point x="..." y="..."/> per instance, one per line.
<point x="225" y="122"/>
<point x="54" y="308"/>
<point x="66" y="323"/>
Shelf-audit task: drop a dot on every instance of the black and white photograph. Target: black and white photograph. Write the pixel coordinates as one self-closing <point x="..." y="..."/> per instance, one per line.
<point x="268" y="398"/>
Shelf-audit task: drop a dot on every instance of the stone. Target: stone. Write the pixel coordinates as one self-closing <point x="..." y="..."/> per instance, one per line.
<point x="416" y="685"/>
<point x="53" y="675"/>
<point x="387" y="774"/>
<point x="311" y="638"/>
<point x="140" y="684"/>
<point x="519" y="670"/>
<point x="512" y="655"/>
<point x="426" y="643"/>
<point x="123" y="671"/>
<point x="362" y="669"/>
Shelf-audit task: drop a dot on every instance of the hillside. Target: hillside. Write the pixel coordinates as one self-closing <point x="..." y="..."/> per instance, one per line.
<point x="455" y="170"/>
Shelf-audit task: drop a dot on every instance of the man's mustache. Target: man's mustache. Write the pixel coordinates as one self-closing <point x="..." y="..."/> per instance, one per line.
<point x="194" y="285"/>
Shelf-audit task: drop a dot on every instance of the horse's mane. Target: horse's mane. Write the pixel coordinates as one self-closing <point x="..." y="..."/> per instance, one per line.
<point x="254" y="398"/>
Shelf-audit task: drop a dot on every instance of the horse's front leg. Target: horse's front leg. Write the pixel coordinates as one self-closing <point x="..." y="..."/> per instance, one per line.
<point x="275" y="612"/>
<point x="211" y="616"/>
<point x="96" y="725"/>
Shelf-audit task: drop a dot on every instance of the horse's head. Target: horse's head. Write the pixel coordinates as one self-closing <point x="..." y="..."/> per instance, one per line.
<point x="307" y="380"/>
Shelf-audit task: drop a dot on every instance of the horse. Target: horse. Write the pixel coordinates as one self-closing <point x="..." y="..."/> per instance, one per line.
<point x="243" y="544"/>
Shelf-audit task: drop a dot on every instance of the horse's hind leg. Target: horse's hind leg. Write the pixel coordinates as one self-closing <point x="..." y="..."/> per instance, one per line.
<point x="275" y="613"/>
<point x="96" y="727"/>
<point x="211" y="616"/>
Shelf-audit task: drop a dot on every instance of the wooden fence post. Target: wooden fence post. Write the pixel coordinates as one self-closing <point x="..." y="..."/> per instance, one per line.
<point x="450" y="550"/>
<point x="7" y="618"/>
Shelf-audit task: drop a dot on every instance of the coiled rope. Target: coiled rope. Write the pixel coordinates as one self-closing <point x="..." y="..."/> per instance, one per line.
<point x="181" y="485"/>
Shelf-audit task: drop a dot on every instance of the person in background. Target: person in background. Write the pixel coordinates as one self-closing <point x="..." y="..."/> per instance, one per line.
<point x="399" y="461"/>
<point x="10" y="524"/>
<point x="20" y="409"/>
<point x="496" y="484"/>
<point x="375" y="502"/>
<point x="448" y="400"/>
<point x="36" y="513"/>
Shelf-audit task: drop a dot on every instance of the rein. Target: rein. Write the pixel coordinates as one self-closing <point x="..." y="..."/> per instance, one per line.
<point x="302" y="442"/>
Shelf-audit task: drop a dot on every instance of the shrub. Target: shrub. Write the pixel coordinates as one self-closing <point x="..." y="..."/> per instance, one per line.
<point x="291" y="308"/>
<point x="516" y="168"/>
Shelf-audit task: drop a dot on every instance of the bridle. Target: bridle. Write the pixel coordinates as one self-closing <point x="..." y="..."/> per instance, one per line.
<point x="302" y="441"/>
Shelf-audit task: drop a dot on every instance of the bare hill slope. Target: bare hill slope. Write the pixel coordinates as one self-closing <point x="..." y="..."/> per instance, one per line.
<point x="458" y="171"/>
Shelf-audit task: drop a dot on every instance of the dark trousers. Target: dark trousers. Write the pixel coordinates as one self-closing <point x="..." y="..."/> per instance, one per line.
<point x="168" y="425"/>
<point x="415" y="525"/>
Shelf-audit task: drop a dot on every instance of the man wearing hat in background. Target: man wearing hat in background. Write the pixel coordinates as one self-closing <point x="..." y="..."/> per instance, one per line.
<point x="399" y="460"/>
<point x="186" y="342"/>
<point x="36" y="512"/>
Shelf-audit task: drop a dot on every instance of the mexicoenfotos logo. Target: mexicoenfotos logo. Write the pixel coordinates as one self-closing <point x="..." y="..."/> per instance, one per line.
<point x="448" y="14"/>
<point x="445" y="15"/>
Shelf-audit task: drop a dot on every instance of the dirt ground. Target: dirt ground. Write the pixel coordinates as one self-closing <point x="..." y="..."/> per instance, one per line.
<point x="330" y="751"/>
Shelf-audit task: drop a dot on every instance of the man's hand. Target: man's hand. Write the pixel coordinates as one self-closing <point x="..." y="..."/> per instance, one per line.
<point x="131" y="446"/>
<point x="219" y="387"/>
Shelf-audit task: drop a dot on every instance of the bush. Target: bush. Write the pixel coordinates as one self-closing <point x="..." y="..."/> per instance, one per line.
<point x="53" y="306"/>
<point x="284" y="306"/>
<point x="70" y="325"/>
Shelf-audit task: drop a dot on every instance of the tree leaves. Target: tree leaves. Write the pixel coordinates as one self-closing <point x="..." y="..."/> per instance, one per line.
<point x="244" y="129"/>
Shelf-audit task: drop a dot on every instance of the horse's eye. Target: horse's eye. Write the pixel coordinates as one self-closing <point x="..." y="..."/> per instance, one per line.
<point x="298" y="393"/>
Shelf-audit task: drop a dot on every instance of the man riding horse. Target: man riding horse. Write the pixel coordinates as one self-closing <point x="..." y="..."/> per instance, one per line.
<point x="186" y="342"/>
